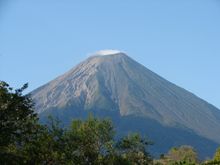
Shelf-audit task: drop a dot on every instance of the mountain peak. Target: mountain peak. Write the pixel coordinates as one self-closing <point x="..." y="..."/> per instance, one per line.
<point x="111" y="84"/>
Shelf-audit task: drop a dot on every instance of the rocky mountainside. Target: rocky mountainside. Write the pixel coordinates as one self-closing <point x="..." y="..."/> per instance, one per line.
<point x="111" y="84"/>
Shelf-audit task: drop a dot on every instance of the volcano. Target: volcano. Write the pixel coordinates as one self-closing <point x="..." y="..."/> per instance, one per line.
<point x="111" y="84"/>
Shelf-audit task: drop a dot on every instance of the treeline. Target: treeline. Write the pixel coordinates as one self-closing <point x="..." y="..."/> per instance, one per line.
<point x="23" y="140"/>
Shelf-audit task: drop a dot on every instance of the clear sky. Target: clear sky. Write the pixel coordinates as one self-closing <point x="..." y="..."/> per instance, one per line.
<point x="177" y="39"/>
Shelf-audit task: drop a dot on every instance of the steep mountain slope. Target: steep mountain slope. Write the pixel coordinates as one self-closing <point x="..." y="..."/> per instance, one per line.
<point x="114" y="85"/>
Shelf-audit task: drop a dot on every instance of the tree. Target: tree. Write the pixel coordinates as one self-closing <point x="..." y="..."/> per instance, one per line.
<point x="133" y="148"/>
<point x="92" y="142"/>
<point x="17" y="121"/>
<point x="47" y="146"/>
<point x="183" y="155"/>
<point x="217" y="155"/>
<point x="88" y="141"/>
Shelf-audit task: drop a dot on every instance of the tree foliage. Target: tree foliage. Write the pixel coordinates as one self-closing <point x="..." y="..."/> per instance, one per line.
<point x="183" y="155"/>
<point x="217" y="155"/>
<point x="133" y="149"/>
<point x="18" y="122"/>
<point x="88" y="141"/>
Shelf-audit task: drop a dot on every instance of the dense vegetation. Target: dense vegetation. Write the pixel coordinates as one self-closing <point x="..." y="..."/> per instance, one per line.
<point x="23" y="140"/>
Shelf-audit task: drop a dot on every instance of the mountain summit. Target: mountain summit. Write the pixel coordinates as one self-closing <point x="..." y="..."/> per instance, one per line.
<point x="111" y="84"/>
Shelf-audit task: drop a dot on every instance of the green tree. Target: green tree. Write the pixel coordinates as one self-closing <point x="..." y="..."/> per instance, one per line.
<point x="182" y="155"/>
<point x="46" y="146"/>
<point x="133" y="149"/>
<point x="92" y="142"/>
<point x="17" y="122"/>
<point x="217" y="155"/>
<point x="88" y="141"/>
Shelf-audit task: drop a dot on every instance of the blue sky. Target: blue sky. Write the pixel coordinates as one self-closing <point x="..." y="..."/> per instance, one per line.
<point x="178" y="39"/>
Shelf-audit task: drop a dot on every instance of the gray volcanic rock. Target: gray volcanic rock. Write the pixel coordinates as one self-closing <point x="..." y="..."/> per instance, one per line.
<point x="111" y="84"/>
